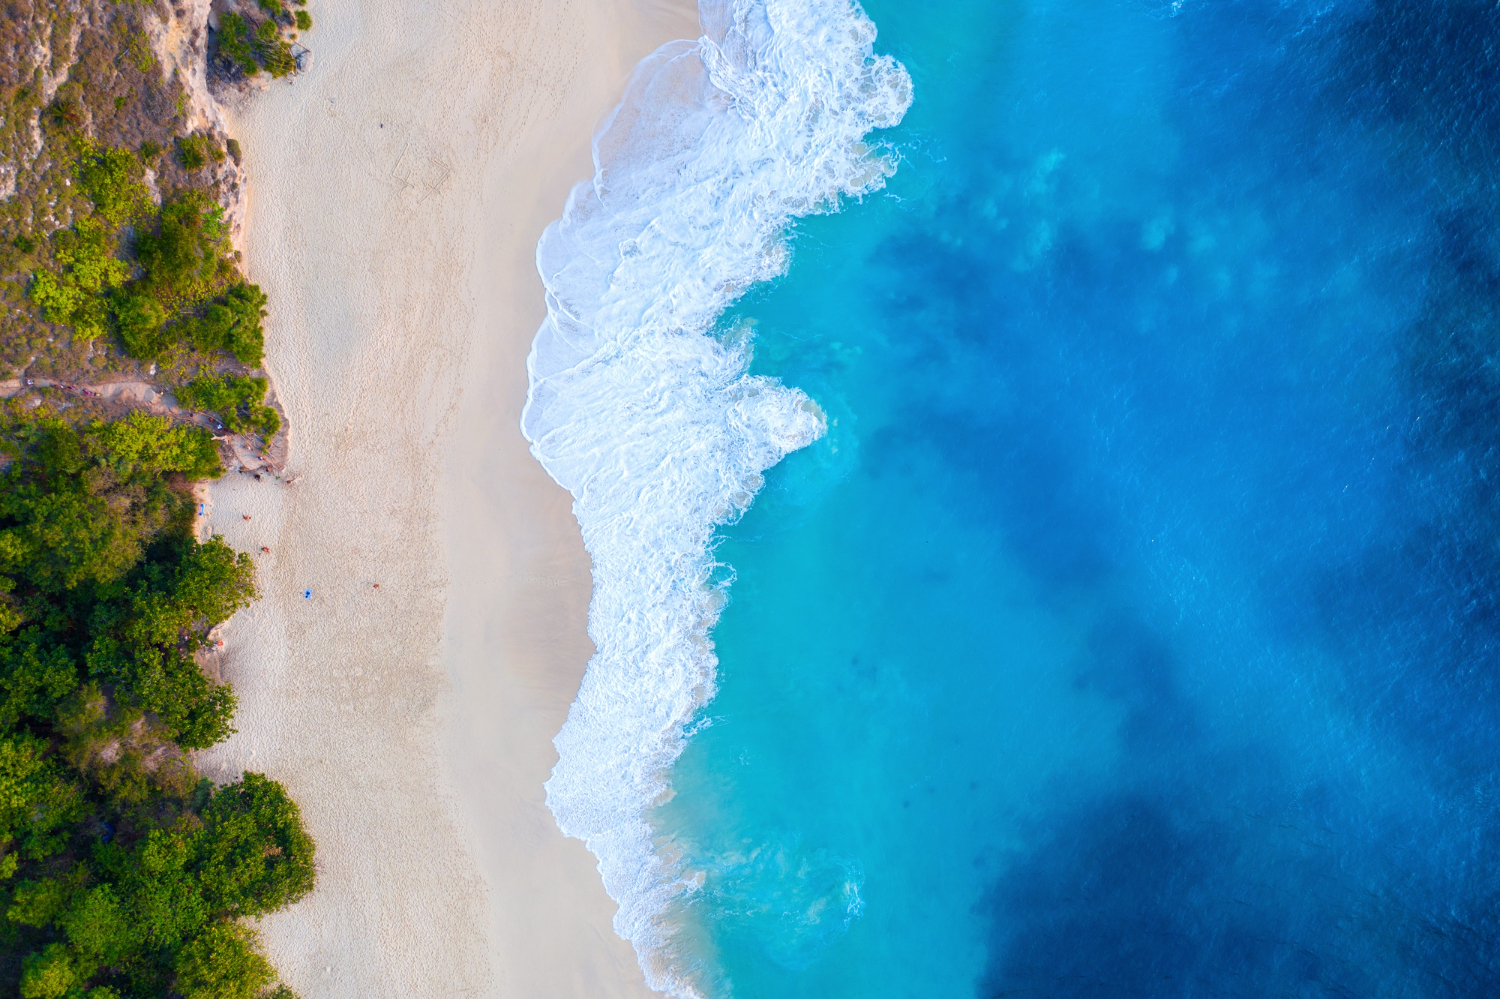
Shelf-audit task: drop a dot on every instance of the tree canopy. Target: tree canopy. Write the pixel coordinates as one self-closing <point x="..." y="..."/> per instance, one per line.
<point x="123" y="874"/>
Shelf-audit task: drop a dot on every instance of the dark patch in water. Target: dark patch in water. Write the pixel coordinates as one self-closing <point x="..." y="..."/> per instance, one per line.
<point x="1416" y="618"/>
<point x="1431" y="68"/>
<point x="1212" y="874"/>
<point x="1157" y="895"/>
<point x="1130" y="663"/>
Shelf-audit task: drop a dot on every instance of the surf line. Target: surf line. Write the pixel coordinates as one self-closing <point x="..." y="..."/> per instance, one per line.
<point x="654" y="425"/>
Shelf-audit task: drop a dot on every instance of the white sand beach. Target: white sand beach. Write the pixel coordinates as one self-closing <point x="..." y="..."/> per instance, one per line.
<point x="397" y="191"/>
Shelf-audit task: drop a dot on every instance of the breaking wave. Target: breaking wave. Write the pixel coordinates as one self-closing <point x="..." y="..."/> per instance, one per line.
<point x="651" y="421"/>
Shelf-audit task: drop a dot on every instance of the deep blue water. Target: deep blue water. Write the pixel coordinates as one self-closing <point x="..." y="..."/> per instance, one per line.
<point x="1133" y="630"/>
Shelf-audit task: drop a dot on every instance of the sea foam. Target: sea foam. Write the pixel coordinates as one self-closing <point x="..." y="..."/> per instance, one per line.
<point x="652" y="422"/>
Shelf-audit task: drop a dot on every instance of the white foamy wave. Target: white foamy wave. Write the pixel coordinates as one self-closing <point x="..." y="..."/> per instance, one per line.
<point x="652" y="423"/>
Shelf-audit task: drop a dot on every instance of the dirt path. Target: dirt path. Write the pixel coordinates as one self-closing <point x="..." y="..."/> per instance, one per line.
<point x="242" y="452"/>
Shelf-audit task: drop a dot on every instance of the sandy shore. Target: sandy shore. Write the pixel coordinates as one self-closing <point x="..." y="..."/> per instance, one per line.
<point x="397" y="191"/>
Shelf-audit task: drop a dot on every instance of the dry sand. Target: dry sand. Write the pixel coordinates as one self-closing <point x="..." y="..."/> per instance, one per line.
<point x="397" y="191"/>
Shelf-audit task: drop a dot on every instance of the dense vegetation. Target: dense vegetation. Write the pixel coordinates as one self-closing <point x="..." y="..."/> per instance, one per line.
<point x="162" y="277"/>
<point x="122" y="874"/>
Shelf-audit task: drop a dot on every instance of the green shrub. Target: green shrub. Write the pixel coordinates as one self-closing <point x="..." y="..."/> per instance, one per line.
<point x="37" y="799"/>
<point x="49" y="974"/>
<point x="186" y="293"/>
<point x="253" y="853"/>
<point x="194" y="151"/>
<point x="274" y="51"/>
<point x="185" y="257"/>
<point x="139" y="442"/>
<point x="161" y="866"/>
<point x="235" y="45"/>
<point x="139" y="318"/>
<point x="239" y="402"/>
<point x="232" y="323"/>
<point x="150" y="150"/>
<point x="97" y="927"/>
<point x="112" y="180"/>
<point x="222" y="964"/>
<point x="37" y="903"/>
<point x="35" y="676"/>
<point x="304" y="20"/>
<point x="63" y="114"/>
<point x="193" y="710"/>
<point x="90" y="269"/>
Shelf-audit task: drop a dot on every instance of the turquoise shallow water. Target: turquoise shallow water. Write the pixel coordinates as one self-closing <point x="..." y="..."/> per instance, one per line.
<point x="1132" y="631"/>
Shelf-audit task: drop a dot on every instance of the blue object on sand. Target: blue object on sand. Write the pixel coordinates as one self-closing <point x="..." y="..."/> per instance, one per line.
<point x="307" y="594"/>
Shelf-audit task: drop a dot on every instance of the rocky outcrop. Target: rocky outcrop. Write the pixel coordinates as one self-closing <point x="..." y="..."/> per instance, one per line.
<point x="179" y="38"/>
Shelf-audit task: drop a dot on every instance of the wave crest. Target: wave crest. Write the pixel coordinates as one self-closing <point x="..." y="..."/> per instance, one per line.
<point x="654" y="425"/>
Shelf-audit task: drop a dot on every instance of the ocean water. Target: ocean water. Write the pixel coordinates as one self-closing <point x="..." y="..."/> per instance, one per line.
<point x="1040" y="467"/>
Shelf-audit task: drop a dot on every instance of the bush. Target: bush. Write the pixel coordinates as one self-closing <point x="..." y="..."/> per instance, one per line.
<point x="191" y="709"/>
<point x="77" y="507"/>
<point x="254" y="854"/>
<point x="234" y="44"/>
<point x="237" y="401"/>
<point x="112" y="180"/>
<point x="128" y="877"/>
<point x="194" y="151"/>
<point x="49" y="974"/>
<point x="140" y="442"/>
<point x="222" y="964"/>
<point x="304" y="20"/>
<point x="185" y="258"/>
<point x="90" y="268"/>
<point x="140" y="318"/>
<point x="274" y="51"/>
<point x="232" y="323"/>
<point x="188" y="293"/>
<point x="96" y="926"/>
<point x="63" y="114"/>
<point x="35" y="677"/>
<point x="38" y="800"/>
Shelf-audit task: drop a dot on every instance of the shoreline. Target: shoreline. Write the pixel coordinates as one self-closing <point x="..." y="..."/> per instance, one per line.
<point x="516" y="631"/>
<point x="413" y="722"/>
